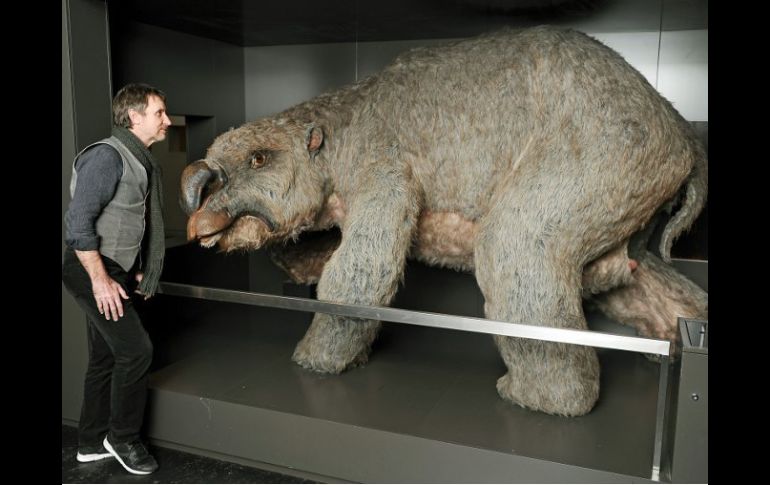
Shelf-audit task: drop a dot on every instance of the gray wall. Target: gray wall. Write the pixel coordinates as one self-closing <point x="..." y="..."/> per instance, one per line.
<point x="202" y="78"/>
<point x="666" y="41"/>
<point x="85" y="118"/>
<point x="71" y="362"/>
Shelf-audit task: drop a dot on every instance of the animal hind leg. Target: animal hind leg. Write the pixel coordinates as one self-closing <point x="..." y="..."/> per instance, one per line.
<point x="524" y="280"/>
<point x="532" y="247"/>
<point x="653" y="299"/>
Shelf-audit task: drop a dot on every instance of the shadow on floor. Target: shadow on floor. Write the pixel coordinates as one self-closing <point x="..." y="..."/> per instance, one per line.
<point x="175" y="467"/>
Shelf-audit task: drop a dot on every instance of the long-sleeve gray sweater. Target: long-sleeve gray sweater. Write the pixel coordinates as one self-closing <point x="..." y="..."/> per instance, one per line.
<point x="100" y="169"/>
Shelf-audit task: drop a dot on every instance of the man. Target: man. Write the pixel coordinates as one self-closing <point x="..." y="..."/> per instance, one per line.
<point x="115" y="247"/>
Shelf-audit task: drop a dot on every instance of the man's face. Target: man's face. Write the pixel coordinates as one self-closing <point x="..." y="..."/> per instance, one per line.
<point x="151" y="125"/>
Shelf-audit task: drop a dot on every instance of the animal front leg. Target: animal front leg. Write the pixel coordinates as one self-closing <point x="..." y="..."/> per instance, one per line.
<point x="333" y="343"/>
<point x="365" y="269"/>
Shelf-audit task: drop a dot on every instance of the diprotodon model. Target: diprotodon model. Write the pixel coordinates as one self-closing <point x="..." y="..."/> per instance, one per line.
<point x="538" y="159"/>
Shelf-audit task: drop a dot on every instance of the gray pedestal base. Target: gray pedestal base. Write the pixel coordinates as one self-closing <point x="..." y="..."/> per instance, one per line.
<point x="424" y="409"/>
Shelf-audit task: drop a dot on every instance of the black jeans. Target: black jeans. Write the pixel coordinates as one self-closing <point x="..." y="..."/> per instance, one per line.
<point x="119" y="357"/>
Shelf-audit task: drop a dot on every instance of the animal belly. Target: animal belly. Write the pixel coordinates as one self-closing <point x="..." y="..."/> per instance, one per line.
<point x="445" y="239"/>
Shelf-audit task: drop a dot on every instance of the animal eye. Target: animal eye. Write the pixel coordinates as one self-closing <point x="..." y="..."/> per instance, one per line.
<point x="258" y="159"/>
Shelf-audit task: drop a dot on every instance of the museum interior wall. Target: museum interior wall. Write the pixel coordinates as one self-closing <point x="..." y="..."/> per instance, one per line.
<point x="86" y="117"/>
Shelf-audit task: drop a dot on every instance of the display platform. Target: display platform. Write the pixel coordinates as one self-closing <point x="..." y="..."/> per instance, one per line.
<point x="424" y="409"/>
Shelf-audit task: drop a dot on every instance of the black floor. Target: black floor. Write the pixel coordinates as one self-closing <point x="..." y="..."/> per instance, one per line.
<point x="175" y="467"/>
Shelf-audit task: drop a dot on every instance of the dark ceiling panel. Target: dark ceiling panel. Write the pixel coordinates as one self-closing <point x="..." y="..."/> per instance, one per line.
<point x="257" y="23"/>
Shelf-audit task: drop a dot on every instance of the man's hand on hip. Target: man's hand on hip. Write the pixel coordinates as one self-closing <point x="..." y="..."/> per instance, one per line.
<point x="108" y="293"/>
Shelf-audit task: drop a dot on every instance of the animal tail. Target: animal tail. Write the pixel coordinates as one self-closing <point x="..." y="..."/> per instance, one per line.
<point x="694" y="200"/>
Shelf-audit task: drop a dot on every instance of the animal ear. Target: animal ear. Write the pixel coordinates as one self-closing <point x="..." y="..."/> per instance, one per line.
<point x="314" y="139"/>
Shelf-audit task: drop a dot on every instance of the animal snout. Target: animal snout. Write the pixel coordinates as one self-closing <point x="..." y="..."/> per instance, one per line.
<point x="199" y="180"/>
<point x="204" y="222"/>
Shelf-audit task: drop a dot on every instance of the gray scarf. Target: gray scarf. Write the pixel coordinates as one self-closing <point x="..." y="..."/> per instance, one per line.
<point x="155" y="248"/>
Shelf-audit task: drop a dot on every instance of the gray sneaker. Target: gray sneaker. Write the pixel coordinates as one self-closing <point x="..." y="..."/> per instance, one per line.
<point x="133" y="456"/>
<point x="92" y="453"/>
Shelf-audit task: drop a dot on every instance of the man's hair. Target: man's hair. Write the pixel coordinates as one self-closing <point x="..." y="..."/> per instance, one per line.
<point x="132" y="96"/>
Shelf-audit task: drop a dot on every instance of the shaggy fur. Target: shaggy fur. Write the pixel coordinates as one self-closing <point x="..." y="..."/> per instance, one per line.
<point x="530" y="157"/>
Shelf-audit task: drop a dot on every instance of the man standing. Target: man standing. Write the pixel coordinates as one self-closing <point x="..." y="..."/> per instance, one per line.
<point x="115" y="247"/>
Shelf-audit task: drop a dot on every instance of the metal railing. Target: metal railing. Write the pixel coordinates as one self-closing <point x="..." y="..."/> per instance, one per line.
<point x="469" y="324"/>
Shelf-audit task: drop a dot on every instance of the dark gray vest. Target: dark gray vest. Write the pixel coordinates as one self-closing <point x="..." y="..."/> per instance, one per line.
<point x="121" y="224"/>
